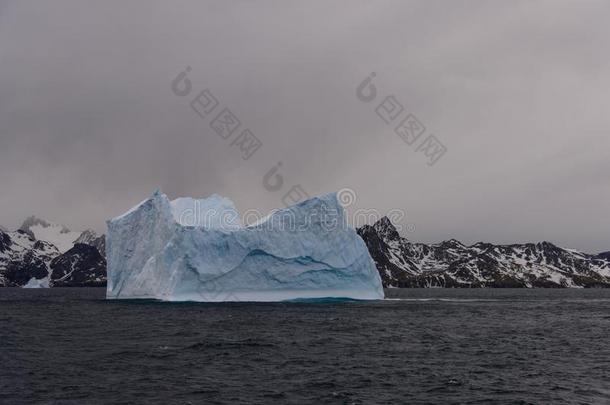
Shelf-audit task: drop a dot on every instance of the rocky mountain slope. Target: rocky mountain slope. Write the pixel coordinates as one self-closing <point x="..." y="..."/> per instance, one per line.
<point x="604" y="255"/>
<point x="402" y="263"/>
<point x="81" y="266"/>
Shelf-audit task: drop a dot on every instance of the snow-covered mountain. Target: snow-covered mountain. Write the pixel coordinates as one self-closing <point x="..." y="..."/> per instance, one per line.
<point x="58" y="235"/>
<point x="22" y="258"/>
<point x="41" y="253"/>
<point x="402" y="263"/>
<point x="91" y="238"/>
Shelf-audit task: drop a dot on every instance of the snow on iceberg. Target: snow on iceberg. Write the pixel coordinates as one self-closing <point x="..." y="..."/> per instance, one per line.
<point x="197" y="250"/>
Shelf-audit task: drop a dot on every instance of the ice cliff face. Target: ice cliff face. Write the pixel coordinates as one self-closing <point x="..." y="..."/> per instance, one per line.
<point x="197" y="250"/>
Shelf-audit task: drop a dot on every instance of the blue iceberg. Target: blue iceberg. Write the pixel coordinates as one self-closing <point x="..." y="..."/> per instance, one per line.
<point x="198" y="250"/>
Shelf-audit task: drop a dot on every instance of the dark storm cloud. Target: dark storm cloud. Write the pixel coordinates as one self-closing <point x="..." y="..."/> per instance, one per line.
<point x="517" y="91"/>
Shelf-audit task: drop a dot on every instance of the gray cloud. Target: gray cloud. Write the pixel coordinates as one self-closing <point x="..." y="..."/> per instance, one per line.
<point x="517" y="91"/>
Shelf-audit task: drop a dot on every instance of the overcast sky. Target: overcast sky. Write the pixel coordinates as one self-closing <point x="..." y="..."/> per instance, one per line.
<point x="517" y="91"/>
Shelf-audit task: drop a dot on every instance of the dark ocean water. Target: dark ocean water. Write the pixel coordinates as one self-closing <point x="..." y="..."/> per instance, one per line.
<point x="70" y="346"/>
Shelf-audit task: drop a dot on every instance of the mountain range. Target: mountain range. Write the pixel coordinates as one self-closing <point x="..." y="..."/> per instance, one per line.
<point x="402" y="263"/>
<point x="43" y="254"/>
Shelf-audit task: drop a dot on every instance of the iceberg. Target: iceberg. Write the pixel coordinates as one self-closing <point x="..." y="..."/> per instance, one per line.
<point x="37" y="283"/>
<point x="198" y="250"/>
